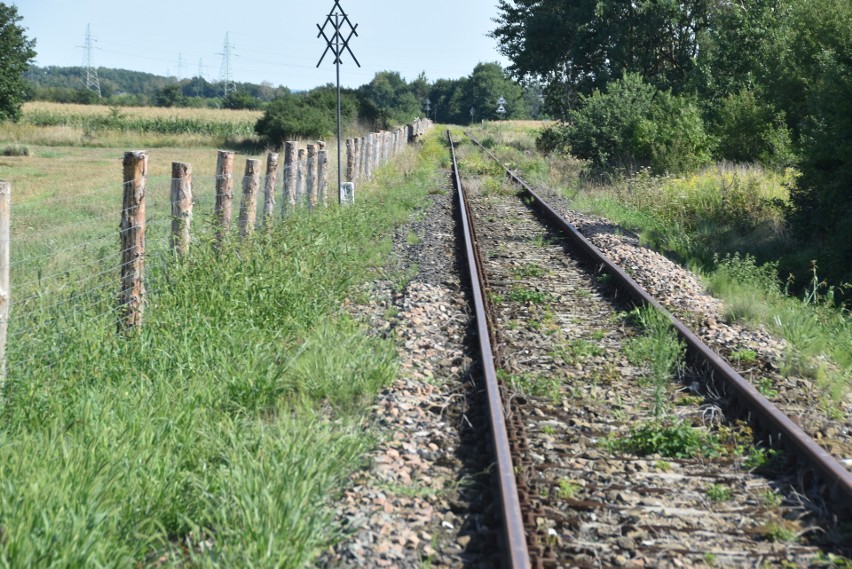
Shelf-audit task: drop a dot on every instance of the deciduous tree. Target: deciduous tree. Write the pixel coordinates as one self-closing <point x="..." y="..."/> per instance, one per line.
<point x="16" y="53"/>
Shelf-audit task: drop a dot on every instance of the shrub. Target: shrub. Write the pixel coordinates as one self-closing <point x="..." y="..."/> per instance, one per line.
<point x="16" y="150"/>
<point x="669" y="440"/>
<point x="311" y="115"/>
<point x="604" y="128"/>
<point x="632" y="125"/>
<point x="751" y="131"/>
<point x="672" y="138"/>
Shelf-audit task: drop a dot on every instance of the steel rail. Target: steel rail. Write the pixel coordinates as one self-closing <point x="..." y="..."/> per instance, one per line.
<point x="516" y="553"/>
<point x="765" y="414"/>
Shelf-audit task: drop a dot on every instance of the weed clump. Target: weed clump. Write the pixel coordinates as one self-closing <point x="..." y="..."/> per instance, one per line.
<point x="16" y="150"/>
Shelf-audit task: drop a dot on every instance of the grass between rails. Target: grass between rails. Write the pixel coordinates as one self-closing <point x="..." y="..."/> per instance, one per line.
<point x="219" y="435"/>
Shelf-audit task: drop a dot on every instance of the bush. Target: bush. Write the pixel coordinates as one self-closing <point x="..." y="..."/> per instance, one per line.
<point x="552" y="140"/>
<point x="16" y="150"/>
<point x="311" y="115"/>
<point x="751" y="131"/>
<point x="632" y="126"/>
<point x="604" y="129"/>
<point x="673" y="138"/>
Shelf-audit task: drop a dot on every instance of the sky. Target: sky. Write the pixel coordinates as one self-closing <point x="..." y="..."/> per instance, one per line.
<point x="274" y="42"/>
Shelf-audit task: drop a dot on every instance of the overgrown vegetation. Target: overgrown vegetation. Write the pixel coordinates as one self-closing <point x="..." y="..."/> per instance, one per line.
<point x="757" y="81"/>
<point x="660" y="351"/>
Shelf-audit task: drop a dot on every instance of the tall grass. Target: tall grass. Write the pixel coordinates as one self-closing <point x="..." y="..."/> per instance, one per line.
<point x="218" y="436"/>
<point x="819" y="333"/>
<point x="718" y="210"/>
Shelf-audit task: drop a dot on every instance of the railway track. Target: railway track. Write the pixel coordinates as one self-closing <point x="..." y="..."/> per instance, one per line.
<point x="576" y="403"/>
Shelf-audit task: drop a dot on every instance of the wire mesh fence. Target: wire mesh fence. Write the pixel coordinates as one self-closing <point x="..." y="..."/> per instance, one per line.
<point x="68" y="254"/>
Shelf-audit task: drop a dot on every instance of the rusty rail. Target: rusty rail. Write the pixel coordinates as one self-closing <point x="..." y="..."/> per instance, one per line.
<point x="764" y="414"/>
<point x="515" y="554"/>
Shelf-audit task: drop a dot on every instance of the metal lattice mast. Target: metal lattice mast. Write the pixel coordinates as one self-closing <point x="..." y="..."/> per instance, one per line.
<point x="336" y="44"/>
<point x="92" y="81"/>
<point x="225" y="75"/>
<point x="199" y="89"/>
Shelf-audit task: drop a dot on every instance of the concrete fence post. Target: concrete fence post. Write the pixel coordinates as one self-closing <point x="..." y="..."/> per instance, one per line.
<point x="181" y="197"/>
<point x="269" y="186"/>
<point x="350" y="160"/>
<point x="312" y="181"/>
<point x="224" y="192"/>
<point x="322" y="175"/>
<point x="291" y="157"/>
<point x="132" y="230"/>
<point x="248" y="205"/>
<point x="301" y="162"/>
<point x="377" y="150"/>
<point x="5" y="288"/>
<point x="362" y="173"/>
<point x="356" y="146"/>
<point x="368" y="156"/>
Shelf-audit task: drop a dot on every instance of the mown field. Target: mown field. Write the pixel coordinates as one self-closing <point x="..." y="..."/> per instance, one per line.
<point x="222" y="432"/>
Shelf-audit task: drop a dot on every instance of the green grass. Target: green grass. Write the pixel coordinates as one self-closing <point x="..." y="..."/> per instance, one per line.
<point x="221" y="434"/>
<point x="719" y="493"/>
<point x="660" y="349"/>
<point x="819" y="334"/>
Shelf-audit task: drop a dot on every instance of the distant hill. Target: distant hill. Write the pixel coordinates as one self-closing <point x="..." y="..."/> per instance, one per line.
<point x="65" y="83"/>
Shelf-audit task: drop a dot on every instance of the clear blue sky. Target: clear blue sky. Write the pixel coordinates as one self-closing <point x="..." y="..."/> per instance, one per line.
<point x="272" y="41"/>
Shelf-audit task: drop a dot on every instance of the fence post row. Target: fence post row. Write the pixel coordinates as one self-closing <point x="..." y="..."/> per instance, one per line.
<point x="132" y="229"/>
<point x="181" y="197"/>
<point x="5" y="291"/>
<point x="248" y="205"/>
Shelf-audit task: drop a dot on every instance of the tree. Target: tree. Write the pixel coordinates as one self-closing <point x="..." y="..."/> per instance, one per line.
<point x="579" y="46"/>
<point x="240" y="100"/>
<point x="388" y="99"/>
<point x="823" y="197"/>
<point x="170" y="96"/>
<point x="486" y="85"/>
<point x="16" y="53"/>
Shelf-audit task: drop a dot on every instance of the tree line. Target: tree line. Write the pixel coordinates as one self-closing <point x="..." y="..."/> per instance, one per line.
<point x="672" y="85"/>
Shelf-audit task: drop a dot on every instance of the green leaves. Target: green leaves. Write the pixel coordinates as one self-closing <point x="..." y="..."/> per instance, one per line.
<point x="16" y="52"/>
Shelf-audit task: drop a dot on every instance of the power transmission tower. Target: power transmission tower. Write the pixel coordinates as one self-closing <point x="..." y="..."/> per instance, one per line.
<point x="180" y="67"/>
<point x="92" y="81"/>
<point x="199" y="88"/>
<point x="225" y="76"/>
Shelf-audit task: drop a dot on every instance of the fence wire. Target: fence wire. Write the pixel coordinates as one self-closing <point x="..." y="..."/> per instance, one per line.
<point x="66" y="276"/>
